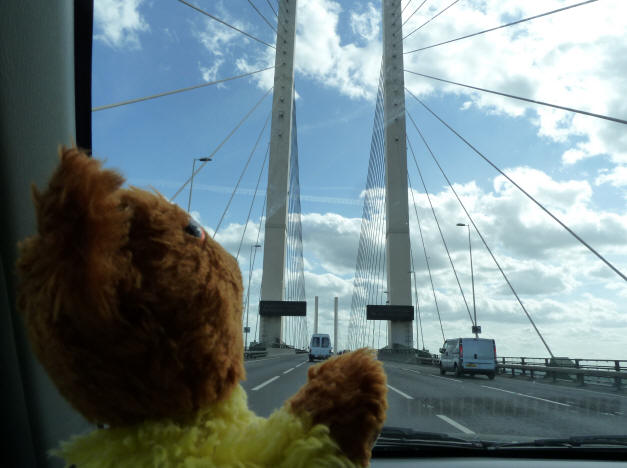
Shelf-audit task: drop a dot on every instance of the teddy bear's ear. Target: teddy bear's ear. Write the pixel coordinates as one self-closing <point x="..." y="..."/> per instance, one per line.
<point x="82" y="228"/>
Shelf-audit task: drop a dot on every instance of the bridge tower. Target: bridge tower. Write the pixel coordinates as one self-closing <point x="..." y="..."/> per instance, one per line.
<point x="397" y="251"/>
<point x="272" y="282"/>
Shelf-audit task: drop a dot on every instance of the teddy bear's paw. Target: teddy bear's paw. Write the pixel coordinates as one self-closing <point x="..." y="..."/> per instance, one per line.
<point x="348" y="394"/>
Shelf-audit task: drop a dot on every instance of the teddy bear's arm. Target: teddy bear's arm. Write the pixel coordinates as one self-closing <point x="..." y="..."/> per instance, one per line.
<point x="348" y="394"/>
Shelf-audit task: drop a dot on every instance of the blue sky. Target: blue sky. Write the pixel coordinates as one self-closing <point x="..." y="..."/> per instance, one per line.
<point x="575" y="165"/>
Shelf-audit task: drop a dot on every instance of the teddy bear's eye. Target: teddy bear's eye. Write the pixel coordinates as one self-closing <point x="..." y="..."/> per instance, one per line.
<point x="194" y="229"/>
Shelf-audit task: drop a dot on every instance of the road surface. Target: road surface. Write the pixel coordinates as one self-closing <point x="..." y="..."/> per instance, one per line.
<point x="421" y="399"/>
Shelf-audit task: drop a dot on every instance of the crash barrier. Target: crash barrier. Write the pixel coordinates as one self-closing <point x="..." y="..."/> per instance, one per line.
<point x="408" y="356"/>
<point x="255" y="354"/>
<point x="604" y="372"/>
<point x="259" y="352"/>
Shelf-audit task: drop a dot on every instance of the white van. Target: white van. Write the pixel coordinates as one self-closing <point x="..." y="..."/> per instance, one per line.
<point x="320" y="347"/>
<point x="468" y="356"/>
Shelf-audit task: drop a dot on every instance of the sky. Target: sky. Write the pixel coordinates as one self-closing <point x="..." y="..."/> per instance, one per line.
<point x="576" y="165"/>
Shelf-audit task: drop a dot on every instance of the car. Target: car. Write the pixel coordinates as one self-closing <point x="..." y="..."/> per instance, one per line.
<point x="320" y="347"/>
<point x="468" y="356"/>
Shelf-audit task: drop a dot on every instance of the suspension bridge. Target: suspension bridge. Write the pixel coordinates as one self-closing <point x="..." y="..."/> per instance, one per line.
<point x="387" y="308"/>
<point x="385" y="273"/>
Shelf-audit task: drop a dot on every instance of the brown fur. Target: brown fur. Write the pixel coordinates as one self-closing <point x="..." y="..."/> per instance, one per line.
<point x="123" y="308"/>
<point x="348" y="394"/>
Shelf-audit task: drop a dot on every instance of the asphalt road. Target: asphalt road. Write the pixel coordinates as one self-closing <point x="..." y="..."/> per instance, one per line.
<point x="421" y="399"/>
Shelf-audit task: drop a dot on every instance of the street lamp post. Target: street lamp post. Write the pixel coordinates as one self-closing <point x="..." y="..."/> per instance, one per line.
<point x="250" y="275"/>
<point x="191" y="183"/>
<point x="472" y="276"/>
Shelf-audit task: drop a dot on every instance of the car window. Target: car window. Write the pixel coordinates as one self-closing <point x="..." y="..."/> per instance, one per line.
<point x="468" y="250"/>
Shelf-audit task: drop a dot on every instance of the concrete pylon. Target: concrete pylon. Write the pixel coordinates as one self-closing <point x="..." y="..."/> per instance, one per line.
<point x="397" y="216"/>
<point x="272" y="281"/>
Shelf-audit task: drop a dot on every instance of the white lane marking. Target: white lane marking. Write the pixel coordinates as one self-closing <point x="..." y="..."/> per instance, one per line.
<point x="248" y="361"/>
<point x="527" y="396"/>
<point x="607" y="394"/>
<point x="400" y="393"/>
<point x="430" y="375"/>
<point x="446" y="378"/>
<point x="265" y="383"/>
<point x="289" y="370"/>
<point x="300" y="364"/>
<point x="455" y="424"/>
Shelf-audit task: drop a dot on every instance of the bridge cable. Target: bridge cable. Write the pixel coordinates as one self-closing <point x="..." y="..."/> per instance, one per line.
<point x="424" y="249"/>
<point x="263" y="210"/>
<point x="377" y="265"/>
<point x="500" y="27"/>
<point x="297" y="326"/>
<point x="481" y="236"/>
<point x="406" y="5"/>
<point x="378" y="276"/>
<point x="417" y="314"/>
<point x="356" y="297"/>
<point x="570" y="109"/>
<point x="239" y="124"/>
<point x="618" y="272"/>
<point x="180" y="90"/>
<point x="378" y="280"/>
<point x="381" y="278"/>
<point x="199" y="10"/>
<point x="252" y="267"/>
<point x="413" y="13"/>
<point x="431" y="19"/>
<point x="263" y="165"/>
<point x="272" y="8"/>
<point x="366" y="288"/>
<point x="262" y="16"/>
<point x="437" y="222"/>
<point x="241" y="176"/>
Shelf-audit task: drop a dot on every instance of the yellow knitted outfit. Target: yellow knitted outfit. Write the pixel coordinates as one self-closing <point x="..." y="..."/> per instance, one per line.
<point x="226" y="434"/>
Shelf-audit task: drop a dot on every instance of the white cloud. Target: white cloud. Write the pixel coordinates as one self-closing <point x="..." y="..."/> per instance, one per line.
<point x="217" y="38"/>
<point x="366" y="24"/>
<point x="563" y="286"/>
<point x="211" y="73"/>
<point x="616" y="177"/>
<point x="118" y="23"/>
<point x="223" y="45"/>
<point x="574" y="58"/>
<point x="324" y="56"/>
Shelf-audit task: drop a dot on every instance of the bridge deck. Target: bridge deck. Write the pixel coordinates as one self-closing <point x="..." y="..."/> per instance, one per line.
<point x="421" y="399"/>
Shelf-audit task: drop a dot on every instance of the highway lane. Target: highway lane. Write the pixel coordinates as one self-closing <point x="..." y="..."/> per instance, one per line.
<point x="504" y="406"/>
<point x="421" y="399"/>
<point x="270" y="382"/>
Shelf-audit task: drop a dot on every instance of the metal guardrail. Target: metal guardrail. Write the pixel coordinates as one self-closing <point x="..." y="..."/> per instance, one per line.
<point x="605" y="372"/>
<point x="255" y="354"/>
<point x="408" y="356"/>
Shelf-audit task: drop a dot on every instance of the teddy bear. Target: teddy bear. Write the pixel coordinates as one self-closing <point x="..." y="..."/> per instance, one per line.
<point x="135" y="313"/>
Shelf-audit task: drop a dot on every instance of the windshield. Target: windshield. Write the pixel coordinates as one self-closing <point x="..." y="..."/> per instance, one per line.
<point x="495" y="222"/>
